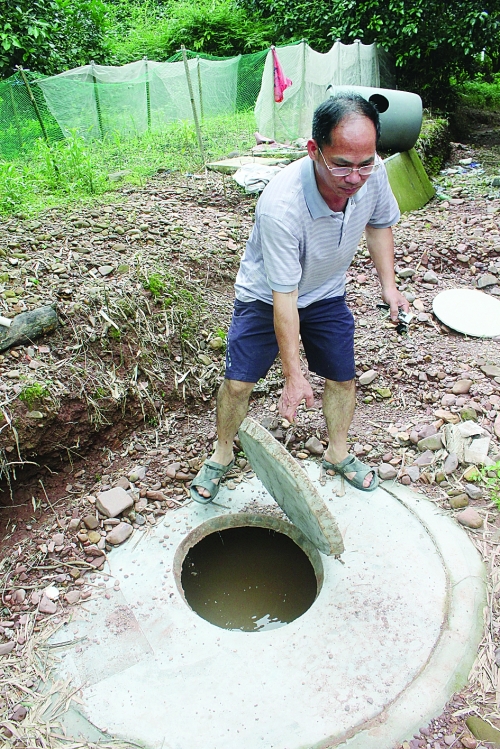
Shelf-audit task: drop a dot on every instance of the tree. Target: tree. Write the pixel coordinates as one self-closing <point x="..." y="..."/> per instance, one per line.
<point x="431" y="41"/>
<point x="50" y="35"/>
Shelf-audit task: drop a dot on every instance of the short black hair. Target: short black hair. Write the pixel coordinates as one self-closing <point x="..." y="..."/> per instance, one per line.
<point x="331" y="112"/>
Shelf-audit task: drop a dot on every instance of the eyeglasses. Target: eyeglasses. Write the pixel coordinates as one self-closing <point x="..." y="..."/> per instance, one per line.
<point x="344" y="171"/>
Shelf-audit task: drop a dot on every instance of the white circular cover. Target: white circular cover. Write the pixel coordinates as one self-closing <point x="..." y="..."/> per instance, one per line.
<point x="468" y="311"/>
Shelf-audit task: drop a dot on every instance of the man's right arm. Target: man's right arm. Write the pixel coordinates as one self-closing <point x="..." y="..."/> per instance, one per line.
<point x="286" y="326"/>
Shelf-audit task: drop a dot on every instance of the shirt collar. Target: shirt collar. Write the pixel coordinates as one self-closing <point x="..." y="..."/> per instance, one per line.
<point x="314" y="200"/>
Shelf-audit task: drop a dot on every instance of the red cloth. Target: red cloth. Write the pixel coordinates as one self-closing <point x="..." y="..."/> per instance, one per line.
<point x="281" y="82"/>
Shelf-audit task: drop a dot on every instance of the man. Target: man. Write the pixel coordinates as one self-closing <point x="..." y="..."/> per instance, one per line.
<point x="291" y="281"/>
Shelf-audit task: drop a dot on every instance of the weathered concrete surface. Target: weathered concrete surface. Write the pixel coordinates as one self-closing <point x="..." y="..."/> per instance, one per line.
<point x="391" y="636"/>
<point x="289" y="484"/>
<point x="410" y="184"/>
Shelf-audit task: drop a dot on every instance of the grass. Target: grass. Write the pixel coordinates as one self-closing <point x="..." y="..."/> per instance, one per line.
<point x="33" y="393"/>
<point x="480" y="94"/>
<point x="489" y="476"/>
<point x="75" y="170"/>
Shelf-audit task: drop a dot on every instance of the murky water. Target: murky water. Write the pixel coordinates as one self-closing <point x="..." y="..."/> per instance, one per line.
<point x="249" y="578"/>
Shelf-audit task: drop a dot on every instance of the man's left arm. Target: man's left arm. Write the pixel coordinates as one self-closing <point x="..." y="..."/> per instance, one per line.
<point x="380" y="243"/>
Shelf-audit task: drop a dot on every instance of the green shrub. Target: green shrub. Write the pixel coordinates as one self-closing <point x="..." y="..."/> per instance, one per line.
<point x="30" y="394"/>
<point x="215" y="27"/>
<point x="480" y="94"/>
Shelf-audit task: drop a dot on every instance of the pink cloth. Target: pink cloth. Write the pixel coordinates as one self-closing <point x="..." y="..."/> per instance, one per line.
<point x="281" y="82"/>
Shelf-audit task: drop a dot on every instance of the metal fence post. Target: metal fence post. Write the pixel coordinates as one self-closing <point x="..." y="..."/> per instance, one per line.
<point x="97" y="101"/>
<point x="148" y="96"/>
<point x="34" y="104"/>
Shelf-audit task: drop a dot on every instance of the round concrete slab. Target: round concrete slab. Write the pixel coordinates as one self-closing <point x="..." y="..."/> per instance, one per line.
<point x="468" y="311"/>
<point x="392" y="634"/>
<point x="290" y="486"/>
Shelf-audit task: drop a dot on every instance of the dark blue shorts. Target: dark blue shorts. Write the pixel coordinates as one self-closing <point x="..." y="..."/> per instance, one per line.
<point x="326" y="330"/>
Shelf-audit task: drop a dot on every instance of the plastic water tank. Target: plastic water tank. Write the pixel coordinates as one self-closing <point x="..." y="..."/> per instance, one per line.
<point x="400" y="114"/>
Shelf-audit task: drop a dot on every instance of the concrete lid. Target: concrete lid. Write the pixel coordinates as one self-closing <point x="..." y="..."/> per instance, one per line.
<point x="291" y="487"/>
<point x="468" y="311"/>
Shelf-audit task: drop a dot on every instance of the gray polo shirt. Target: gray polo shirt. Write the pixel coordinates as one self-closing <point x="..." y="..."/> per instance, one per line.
<point x="298" y="242"/>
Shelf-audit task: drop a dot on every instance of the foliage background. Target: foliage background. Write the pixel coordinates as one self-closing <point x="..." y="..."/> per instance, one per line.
<point x="51" y="35"/>
<point x="434" y="44"/>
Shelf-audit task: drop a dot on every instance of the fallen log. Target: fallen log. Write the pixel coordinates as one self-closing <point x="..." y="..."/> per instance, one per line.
<point x="28" y="326"/>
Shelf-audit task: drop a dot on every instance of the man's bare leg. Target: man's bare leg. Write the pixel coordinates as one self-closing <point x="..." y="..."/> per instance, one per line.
<point x="339" y="400"/>
<point x="232" y="407"/>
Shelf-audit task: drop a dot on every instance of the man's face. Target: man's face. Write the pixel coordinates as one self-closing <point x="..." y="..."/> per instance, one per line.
<point x="353" y="145"/>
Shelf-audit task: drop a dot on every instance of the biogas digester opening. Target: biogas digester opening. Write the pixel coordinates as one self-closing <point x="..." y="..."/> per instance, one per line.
<point x="248" y="578"/>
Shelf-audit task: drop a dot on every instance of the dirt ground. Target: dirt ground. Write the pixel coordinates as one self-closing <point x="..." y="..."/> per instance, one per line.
<point x="143" y="288"/>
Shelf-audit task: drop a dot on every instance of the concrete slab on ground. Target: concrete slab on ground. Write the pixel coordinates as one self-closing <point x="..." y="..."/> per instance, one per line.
<point x="231" y="166"/>
<point x="391" y="635"/>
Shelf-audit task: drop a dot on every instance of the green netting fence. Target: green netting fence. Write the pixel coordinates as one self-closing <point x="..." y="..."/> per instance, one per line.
<point x="99" y="102"/>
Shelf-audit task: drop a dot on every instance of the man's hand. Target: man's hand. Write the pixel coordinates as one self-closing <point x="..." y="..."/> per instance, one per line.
<point x="395" y="300"/>
<point x="295" y="390"/>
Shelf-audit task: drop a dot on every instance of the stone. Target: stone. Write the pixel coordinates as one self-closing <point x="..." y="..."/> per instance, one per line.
<point x="473" y="491"/>
<point x="468" y="742"/>
<point x="19" y="713"/>
<point x="155" y="495"/>
<point x="7" y="647"/>
<point x="458" y="502"/>
<point x="483" y="730"/>
<point x="51" y="592"/>
<point x="137" y="474"/>
<point x="368" y="377"/>
<point x="106" y="270"/>
<point x="450" y="739"/>
<point x="315" y="446"/>
<point x="413" y="472"/>
<point x="46" y="606"/>
<point x="123" y="482"/>
<point x="386" y="472"/>
<point x="450" y="464"/>
<point x="491" y="370"/>
<point x="477" y="451"/>
<point x="58" y="539"/>
<point x="462" y="386"/>
<point x="469" y="429"/>
<point x="35" y="415"/>
<point x="172" y="469"/>
<point x="488" y="279"/>
<point x="496" y="426"/>
<point x="430" y="277"/>
<point x="468" y="413"/>
<point x="426" y="459"/>
<point x="113" y="502"/>
<point x="216" y="344"/>
<point x="406" y="272"/>
<point x="119" y="534"/>
<point x="97" y="562"/>
<point x="91" y="522"/>
<point x="94" y="537"/>
<point x="446" y="416"/>
<point x="426" y="430"/>
<point x="433" y="442"/>
<point x="470" y="518"/>
<point x="19" y="595"/>
<point x="384" y="392"/>
<point x="72" y="597"/>
<point x="448" y="400"/>
<point x="73" y="525"/>
<point x="471" y="473"/>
